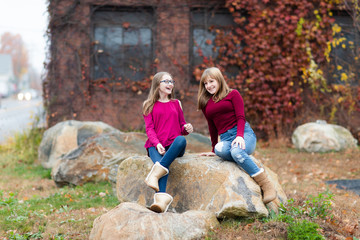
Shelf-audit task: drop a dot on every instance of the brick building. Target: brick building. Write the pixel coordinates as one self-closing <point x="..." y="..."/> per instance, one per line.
<point x="101" y="52"/>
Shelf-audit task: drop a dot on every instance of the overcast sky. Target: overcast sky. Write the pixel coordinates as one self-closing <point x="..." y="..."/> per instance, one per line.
<point x="29" y="19"/>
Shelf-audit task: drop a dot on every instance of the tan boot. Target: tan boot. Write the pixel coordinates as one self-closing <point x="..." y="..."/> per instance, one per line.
<point x="161" y="203"/>
<point x="157" y="171"/>
<point x="266" y="186"/>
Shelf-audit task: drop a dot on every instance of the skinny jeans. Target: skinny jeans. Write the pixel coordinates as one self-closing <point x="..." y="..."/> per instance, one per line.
<point x="176" y="149"/>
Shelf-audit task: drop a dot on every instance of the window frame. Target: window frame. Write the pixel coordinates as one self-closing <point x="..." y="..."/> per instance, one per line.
<point x="120" y="13"/>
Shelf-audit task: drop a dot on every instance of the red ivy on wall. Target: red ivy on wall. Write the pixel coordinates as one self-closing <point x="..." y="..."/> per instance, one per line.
<point x="269" y="46"/>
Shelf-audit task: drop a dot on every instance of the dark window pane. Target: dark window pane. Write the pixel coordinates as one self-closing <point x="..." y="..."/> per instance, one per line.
<point x="204" y="22"/>
<point x="123" y="43"/>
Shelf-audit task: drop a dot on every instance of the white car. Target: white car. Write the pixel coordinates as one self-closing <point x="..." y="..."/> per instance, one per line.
<point x="27" y="94"/>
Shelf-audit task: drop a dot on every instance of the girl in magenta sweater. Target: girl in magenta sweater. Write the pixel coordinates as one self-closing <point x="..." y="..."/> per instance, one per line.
<point x="165" y="125"/>
<point x="223" y="109"/>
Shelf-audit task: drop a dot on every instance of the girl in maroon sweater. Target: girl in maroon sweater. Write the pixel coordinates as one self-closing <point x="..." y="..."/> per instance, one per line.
<point x="165" y="126"/>
<point x="223" y="109"/>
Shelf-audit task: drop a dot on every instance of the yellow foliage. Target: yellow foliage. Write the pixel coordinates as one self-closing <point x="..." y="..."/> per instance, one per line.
<point x="336" y="29"/>
<point x="338" y="67"/>
<point x="344" y="77"/>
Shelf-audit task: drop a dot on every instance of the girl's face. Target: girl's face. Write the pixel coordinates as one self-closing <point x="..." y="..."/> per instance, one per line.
<point x="166" y="85"/>
<point x="211" y="85"/>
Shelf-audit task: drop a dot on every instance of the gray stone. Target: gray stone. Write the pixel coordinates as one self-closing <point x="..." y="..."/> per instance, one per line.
<point x="199" y="183"/>
<point x="322" y="137"/>
<point x="98" y="158"/>
<point x="132" y="221"/>
<point x="66" y="136"/>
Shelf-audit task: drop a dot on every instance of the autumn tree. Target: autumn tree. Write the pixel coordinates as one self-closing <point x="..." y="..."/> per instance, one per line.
<point x="14" y="46"/>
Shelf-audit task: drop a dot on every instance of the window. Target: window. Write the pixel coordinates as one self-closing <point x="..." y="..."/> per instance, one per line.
<point x="123" y="43"/>
<point x="344" y="62"/>
<point x="204" y="22"/>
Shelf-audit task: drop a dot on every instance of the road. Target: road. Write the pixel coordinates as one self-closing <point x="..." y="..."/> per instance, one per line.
<point x="19" y="116"/>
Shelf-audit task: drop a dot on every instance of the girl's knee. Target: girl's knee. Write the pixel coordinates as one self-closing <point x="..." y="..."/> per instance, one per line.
<point x="219" y="147"/>
<point x="181" y="140"/>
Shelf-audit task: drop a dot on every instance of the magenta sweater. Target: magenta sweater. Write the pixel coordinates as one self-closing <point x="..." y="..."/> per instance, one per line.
<point x="224" y="115"/>
<point x="164" y="123"/>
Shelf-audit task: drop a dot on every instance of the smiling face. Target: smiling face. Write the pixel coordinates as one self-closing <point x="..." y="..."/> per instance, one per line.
<point x="166" y="87"/>
<point x="211" y="85"/>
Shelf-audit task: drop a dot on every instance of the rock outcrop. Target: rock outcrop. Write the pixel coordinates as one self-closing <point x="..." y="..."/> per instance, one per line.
<point x="199" y="183"/>
<point x="80" y="152"/>
<point x="322" y="137"/>
<point x="98" y="158"/>
<point x="66" y="136"/>
<point x="133" y="221"/>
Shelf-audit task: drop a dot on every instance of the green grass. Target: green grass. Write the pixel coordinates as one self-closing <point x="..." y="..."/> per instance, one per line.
<point x="22" y="215"/>
<point x="28" y="218"/>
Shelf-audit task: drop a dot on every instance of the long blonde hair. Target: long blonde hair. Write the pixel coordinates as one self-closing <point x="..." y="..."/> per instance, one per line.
<point x="204" y="95"/>
<point x="154" y="93"/>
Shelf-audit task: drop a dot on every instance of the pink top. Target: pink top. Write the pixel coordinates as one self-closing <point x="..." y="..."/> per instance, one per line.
<point x="224" y="115"/>
<point x="164" y="123"/>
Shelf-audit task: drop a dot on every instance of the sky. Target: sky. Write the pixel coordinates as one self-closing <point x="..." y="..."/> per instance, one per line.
<point x="28" y="18"/>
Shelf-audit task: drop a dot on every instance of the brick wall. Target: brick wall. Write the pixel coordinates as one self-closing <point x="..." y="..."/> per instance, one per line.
<point x="67" y="90"/>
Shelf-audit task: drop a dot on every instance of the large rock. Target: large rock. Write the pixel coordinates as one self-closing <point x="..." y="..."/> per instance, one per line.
<point x="322" y="137"/>
<point x="98" y="158"/>
<point x="66" y="136"/>
<point x="196" y="143"/>
<point x="69" y="135"/>
<point x="132" y="221"/>
<point x="80" y="152"/>
<point x="199" y="183"/>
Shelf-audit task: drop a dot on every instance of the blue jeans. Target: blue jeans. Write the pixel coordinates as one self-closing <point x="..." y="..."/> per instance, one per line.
<point x="240" y="156"/>
<point x="176" y="149"/>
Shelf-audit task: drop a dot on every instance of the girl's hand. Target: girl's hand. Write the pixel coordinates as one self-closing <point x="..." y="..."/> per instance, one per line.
<point x="189" y="128"/>
<point x="160" y="148"/>
<point x="208" y="154"/>
<point x="238" y="141"/>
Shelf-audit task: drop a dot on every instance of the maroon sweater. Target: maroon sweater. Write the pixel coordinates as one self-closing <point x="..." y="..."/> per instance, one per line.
<point x="224" y="115"/>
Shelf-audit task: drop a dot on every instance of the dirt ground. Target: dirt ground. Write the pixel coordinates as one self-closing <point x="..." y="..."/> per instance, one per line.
<point x="302" y="174"/>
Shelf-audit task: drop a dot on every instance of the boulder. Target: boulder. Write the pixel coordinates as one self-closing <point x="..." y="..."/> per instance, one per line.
<point x="322" y="137"/>
<point x="80" y="152"/>
<point x="98" y="158"/>
<point x="69" y="135"/>
<point x="132" y="221"/>
<point x="199" y="183"/>
<point x="66" y="136"/>
<point x="196" y="143"/>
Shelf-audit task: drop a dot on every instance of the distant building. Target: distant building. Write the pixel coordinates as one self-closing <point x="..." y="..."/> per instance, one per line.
<point x="6" y="75"/>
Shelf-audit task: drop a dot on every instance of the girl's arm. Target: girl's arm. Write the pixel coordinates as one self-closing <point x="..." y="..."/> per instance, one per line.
<point x="213" y="131"/>
<point x="182" y="121"/>
<point x="150" y="129"/>
<point x="238" y="105"/>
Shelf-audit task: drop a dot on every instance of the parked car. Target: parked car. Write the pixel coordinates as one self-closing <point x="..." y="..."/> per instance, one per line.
<point x="27" y="94"/>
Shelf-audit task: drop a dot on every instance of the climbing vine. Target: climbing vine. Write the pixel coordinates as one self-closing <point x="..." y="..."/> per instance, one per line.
<point x="280" y="49"/>
<point x="278" y="54"/>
